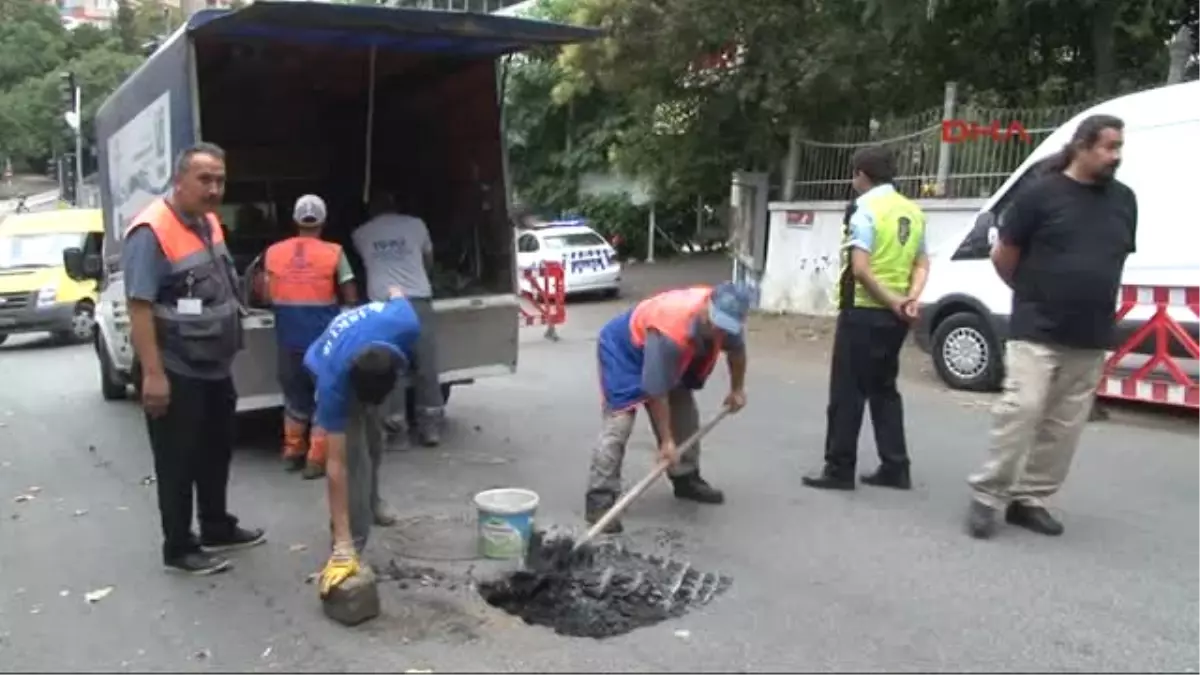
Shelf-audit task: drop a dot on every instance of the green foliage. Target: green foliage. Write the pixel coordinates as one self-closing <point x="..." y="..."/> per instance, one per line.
<point x="817" y="66"/>
<point x="35" y="49"/>
<point x="32" y="40"/>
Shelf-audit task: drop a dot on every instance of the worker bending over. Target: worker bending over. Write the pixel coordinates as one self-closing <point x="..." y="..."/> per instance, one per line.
<point x="657" y="354"/>
<point x="355" y="363"/>
<point x="303" y="277"/>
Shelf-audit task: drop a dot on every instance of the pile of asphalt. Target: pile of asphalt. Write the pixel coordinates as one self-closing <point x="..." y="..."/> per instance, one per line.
<point x="600" y="591"/>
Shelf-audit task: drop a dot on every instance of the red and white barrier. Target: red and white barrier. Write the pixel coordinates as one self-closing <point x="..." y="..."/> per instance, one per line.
<point x="1160" y="379"/>
<point x="545" y="301"/>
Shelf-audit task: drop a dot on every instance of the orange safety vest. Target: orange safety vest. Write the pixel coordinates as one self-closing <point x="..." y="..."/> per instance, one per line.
<point x="672" y="314"/>
<point x="196" y="311"/>
<point x="302" y="271"/>
<point x="177" y="240"/>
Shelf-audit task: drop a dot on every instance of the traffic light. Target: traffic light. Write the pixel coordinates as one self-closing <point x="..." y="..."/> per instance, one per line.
<point x="67" y="91"/>
<point x="67" y="190"/>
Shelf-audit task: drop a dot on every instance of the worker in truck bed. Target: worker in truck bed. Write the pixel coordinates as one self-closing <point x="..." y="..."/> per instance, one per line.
<point x="355" y="363"/>
<point x="303" y="277"/>
<point x="397" y="252"/>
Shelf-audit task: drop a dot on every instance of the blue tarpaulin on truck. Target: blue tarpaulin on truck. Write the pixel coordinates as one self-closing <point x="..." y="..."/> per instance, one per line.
<point x="386" y="28"/>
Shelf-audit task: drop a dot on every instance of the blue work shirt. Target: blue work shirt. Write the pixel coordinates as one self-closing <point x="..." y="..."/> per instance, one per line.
<point x="392" y="324"/>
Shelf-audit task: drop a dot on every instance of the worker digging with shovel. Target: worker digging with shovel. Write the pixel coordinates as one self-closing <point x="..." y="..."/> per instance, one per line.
<point x="657" y="354"/>
<point x="355" y="364"/>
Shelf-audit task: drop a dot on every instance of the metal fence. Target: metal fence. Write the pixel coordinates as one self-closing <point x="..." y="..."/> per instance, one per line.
<point x="962" y="162"/>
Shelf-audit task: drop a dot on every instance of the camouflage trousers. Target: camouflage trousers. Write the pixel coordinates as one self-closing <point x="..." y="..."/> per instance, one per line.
<point x="604" y="477"/>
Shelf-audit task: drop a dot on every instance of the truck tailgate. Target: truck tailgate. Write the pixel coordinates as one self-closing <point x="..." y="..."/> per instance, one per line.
<point x="477" y="337"/>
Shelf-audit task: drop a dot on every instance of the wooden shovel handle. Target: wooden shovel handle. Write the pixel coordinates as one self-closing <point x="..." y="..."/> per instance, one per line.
<point x="637" y="490"/>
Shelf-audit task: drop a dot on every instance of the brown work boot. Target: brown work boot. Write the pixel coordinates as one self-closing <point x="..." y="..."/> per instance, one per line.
<point x="293" y="444"/>
<point x="318" y="445"/>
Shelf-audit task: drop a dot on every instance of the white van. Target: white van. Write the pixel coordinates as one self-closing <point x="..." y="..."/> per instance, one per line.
<point x="965" y="305"/>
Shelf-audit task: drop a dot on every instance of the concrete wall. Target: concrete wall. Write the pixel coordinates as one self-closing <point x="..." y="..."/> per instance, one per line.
<point x="803" y="250"/>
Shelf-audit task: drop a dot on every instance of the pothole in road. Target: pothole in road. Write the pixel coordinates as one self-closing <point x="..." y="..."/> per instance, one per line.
<point x="603" y="591"/>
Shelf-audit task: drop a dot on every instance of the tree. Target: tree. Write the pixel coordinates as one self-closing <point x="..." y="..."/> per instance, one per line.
<point x="32" y="40"/>
<point x="126" y="27"/>
<point x="31" y="122"/>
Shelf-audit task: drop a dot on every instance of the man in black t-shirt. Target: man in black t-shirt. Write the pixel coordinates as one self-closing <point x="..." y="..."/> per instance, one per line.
<point x="1062" y="247"/>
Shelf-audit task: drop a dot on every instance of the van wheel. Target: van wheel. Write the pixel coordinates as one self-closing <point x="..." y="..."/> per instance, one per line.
<point x="3" y="337"/>
<point x="112" y="386"/>
<point x="966" y="353"/>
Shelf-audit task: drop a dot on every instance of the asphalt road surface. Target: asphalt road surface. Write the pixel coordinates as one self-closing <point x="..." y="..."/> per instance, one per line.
<point x="865" y="581"/>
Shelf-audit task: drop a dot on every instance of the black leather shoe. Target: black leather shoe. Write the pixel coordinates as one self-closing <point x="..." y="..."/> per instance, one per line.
<point x="898" y="480"/>
<point x="981" y="520"/>
<point x="1033" y="518"/>
<point x="232" y="539"/>
<point x="826" y="480"/>
<point x="694" y="488"/>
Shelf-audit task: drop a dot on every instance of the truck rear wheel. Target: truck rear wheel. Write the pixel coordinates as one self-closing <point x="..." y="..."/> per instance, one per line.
<point x="112" y="385"/>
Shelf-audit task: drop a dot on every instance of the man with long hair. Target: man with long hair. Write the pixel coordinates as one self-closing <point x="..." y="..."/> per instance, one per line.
<point x="1061" y="247"/>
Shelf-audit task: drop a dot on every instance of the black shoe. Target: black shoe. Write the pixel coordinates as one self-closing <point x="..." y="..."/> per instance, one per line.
<point x="233" y="539"/>
<point x="293" y="464"/>
<point x="313" y="471"/>
<point x="1033" y="518"/>
<point x="827" y="480"/>
<point x="981" y="520"/>
<point x="694" y="488"/>
<point x="197" y="563"/>
<point x="896" y="479"/>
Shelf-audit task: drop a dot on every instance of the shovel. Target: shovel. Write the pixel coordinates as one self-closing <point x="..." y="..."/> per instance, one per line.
<point x="637" y="490"/>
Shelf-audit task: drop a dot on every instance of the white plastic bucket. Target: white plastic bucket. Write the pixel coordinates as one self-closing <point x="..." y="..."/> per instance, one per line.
<point x="505" y="521"/>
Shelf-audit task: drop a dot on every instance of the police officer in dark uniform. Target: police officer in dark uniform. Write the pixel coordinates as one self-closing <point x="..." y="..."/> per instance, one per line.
<point x="884" y="267"/>
<point x="181" y="286"/>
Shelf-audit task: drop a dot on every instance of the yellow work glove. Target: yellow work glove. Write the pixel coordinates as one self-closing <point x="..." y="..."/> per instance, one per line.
<point x="342" y="565"/>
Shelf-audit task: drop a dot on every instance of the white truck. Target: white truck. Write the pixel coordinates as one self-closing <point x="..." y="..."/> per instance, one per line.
<point x="337" y="100"/>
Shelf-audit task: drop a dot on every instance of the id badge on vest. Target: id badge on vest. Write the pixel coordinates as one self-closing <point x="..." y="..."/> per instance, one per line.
<point x="190" y="306"/>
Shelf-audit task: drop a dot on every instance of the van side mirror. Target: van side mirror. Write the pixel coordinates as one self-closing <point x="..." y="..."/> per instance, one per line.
<point x="81" y="267"/>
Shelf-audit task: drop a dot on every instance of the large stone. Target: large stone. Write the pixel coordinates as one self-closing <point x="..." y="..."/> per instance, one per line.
<point x="355" y="601"/>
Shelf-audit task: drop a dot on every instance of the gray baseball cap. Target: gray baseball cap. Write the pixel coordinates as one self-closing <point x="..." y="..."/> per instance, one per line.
<point x="310" y="210"/>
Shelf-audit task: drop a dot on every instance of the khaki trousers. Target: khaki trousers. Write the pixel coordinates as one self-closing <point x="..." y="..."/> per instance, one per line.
<point x="1048" y="395"/>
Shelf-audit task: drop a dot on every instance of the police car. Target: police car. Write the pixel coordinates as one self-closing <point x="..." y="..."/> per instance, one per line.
<point x="589" y="263"/>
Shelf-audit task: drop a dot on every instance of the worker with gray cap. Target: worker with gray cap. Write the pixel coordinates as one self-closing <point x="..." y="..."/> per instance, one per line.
<point x="302" y="279"/>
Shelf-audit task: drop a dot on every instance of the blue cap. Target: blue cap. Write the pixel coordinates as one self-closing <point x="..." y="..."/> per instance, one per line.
<point x="728" y="307"/>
